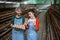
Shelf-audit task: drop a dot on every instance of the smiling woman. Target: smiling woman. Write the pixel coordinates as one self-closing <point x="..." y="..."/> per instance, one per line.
<point x="33" y="25"/>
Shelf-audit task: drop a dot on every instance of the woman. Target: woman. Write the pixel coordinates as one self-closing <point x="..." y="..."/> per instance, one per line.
<point x="33" y="25"/>
<point x="18" y="19"/>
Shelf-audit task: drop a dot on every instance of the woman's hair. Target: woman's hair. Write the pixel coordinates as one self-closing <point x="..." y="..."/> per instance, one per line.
<point x="33" y="11"/>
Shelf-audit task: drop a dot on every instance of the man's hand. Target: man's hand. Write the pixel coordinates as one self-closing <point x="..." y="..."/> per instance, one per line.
<point x="11" y="25"/>
<point x="19" y="26"/>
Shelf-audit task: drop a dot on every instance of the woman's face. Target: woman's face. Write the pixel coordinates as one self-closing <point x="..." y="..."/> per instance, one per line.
<point x="31" y="14"/>
<point x="18" y="12"/>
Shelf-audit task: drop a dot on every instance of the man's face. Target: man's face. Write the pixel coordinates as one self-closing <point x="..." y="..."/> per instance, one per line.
<point x="18" y="12"/>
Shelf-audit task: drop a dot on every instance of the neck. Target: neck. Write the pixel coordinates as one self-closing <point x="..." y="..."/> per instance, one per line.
<point x="17" y="16"/>
<point x="33" y="17"/>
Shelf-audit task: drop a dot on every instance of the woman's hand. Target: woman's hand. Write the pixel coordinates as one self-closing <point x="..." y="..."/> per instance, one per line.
<point x="34" y="24"/>
<point x="26" y="25"/>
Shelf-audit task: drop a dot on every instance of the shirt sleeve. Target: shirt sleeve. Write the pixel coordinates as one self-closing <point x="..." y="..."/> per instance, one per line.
<point x="37" y="24"/>
<point x="12" y="19"/>
<point x="23" y="19"/>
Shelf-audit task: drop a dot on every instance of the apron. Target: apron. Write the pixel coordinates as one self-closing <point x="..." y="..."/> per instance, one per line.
<point x="32" y="34"/>
<point x="17" y="34"/>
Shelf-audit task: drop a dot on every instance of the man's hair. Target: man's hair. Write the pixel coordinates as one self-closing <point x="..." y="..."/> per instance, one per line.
<point x="18" y="8"/>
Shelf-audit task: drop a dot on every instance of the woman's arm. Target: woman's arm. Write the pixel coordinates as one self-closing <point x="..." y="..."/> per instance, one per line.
<point x="37" y="25"/>
<point x="26" y="23"/>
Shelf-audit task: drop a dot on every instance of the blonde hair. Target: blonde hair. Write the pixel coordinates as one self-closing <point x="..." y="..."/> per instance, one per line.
<point x="18" y="8"/>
